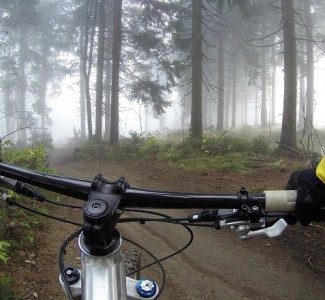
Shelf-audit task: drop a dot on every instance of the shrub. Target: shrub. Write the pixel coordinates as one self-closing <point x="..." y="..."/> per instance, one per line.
<point x="18" y="228"/>
<point x="151" y="146"/>
<point x="30" y="158"/>
<point x="4" y="251"/>
<point x="91" y="149"/>
<point x="224" y="144"/>
<point x="260" y="145"/>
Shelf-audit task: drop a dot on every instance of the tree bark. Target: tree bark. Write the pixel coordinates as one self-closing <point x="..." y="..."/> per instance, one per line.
<point x="197" y="56"/>
<point x="82" y="91"/>
<point x="288" y="137"/>
<point x="302" y="95"/>
<point x="310" y="69"/>
<point x="108" y="74"/>
<point x="116" y="56"/>
<point x="221" y="82"/>
<point x="88" y="57"/>
<point x="108" y="71"/>
<point x="273" y="106"/>
<point x="100" y="70"/>
<point x="234" y="92"/>
<point x="22" y="131"/>
<point x="263" y="107"/>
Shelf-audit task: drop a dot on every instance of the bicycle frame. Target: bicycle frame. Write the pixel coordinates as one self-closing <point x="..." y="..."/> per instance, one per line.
<point x="103" y="277"/>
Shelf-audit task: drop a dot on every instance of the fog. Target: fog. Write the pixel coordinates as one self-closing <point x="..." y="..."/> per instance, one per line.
<point x="158" y="65"/>
<point x="66" y="111"/>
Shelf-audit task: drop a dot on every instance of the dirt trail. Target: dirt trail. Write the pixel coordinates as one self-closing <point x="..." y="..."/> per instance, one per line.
<point x="217" y="265"/>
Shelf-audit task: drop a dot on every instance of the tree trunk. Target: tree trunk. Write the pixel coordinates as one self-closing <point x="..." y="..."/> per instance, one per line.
<point x="221" y="82"/>
<point x="197" y="56"/>
<point x="100" y="70"/>
<point x="44" y="80"/>
<point x="245" y="101"/>
<point x="273" y="86"/>
<point x="108" y="75"/>
<point x="86" y="70"/>
<point x="234" y="92"/>
<point x="263" y="107"/>
<point x="302" y="96"/>
<point x="9" y="109"/>
<point x="82" y="91"/>
<point x="256" y="105"/>
<point x="310" y="69"/>
<point x="116" y="56"/>
<point x="288" y="133"/>
<point x="228" y="105"/>
<point x="22" y="123"/>
<point x="108" y="71"/>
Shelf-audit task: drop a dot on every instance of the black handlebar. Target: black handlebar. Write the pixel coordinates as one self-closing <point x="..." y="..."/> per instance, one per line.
<point x="67" y="186"/>
<point x="133" y="197"/>
<point x="146" y="198"/>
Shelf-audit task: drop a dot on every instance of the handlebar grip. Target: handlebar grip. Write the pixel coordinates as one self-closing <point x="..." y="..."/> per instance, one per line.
<point x="282" y="200"/>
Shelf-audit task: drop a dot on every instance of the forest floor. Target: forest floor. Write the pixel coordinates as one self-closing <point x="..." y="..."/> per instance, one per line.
<point x="216" y="266"/>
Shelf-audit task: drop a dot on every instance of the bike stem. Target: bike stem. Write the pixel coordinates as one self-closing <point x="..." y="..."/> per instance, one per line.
<point x="101" y="214"/>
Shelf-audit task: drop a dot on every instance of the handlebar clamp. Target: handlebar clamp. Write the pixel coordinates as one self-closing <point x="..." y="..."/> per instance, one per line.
<point x="251" y="207"/>
<point x="101" y="214"/>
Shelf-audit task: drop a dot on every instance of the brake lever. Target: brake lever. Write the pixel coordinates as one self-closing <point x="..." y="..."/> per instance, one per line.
<point x="245" y="232"/>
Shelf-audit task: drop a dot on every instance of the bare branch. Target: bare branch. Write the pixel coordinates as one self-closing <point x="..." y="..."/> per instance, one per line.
<point x="266" y="46"/>
<point x="18" y="129"/>
<point x="265" y="37"/>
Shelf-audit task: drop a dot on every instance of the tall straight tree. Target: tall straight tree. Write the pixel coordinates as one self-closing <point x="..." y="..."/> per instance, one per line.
<point x="88" y="34"/>
<point x="108" y="73"/>
<point x="221" y="81"/>
<point x="309" y="122"/>
<point x="82" y="91"/>
<point x="100" y="69"/>
<point x="234" y="90"/>
<point x="108" y="81"/>
<point x="21" y="101"/>
<point x="116" y="56"/>
<point x="273" y="86"/>
<point x="263" y="107"/>
<point x="197" y="56"/>
<point x="288" y="137"/>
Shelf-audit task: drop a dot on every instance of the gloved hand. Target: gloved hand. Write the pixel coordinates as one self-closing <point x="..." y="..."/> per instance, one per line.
<point x="310" y="196"/>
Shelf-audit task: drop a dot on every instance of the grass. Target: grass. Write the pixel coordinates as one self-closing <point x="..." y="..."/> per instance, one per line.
<point x="239" y="151"/>
<point x="219" y="152"/>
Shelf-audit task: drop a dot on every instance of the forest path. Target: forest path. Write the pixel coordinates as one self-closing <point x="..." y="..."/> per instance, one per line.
<point x="217" y="265"/>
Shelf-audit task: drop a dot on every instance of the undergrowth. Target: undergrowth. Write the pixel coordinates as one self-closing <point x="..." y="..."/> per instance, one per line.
<point x="223" y="152"/>
<point x="6" y="291"/>
<point x="17" y="230"/>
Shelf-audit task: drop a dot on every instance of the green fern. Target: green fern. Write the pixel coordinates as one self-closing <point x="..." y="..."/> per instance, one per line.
<point x="3" y="251"/>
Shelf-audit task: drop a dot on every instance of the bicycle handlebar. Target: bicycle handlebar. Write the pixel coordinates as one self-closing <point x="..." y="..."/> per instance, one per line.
<point x="135" y="197"/>
<point x="67" y="186"/>
<point x="106" y="200"/>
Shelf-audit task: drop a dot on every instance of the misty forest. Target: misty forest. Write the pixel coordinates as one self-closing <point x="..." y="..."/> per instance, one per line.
<point x="218" y="101"/>
<point x="220" y="64"/>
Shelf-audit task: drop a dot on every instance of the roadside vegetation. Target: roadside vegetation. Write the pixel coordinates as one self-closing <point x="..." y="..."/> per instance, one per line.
<point x="18" y="228"/>
<point x="229" y="151"/>
<point x="226" y="151"/>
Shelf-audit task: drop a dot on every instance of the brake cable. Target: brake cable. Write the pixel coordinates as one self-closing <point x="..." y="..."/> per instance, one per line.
<point x="12" y="202"/>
